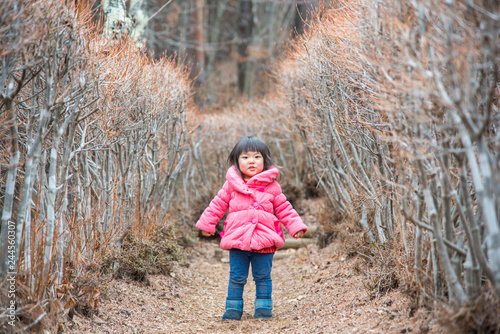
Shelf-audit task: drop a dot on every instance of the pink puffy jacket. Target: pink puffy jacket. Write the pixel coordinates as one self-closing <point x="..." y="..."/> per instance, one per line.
<point x="251" y="223"/>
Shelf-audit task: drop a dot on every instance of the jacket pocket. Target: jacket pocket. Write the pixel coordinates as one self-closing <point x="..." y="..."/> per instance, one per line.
<point x="224" y="230"/>
<point x="278" y="229"/>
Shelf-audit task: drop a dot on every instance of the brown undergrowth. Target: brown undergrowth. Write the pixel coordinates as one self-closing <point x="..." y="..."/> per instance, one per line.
<point x="383" y="267"/>
<point x="479" y="316"/>
<point x="139" y="257"/>
<point x="379" y="263"/>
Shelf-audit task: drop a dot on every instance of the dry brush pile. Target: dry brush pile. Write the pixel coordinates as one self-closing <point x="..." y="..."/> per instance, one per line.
<point x="92" y="132"/>
<point x="398" y="104"/>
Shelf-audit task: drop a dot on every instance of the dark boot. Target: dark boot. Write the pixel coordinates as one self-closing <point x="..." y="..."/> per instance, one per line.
<point x="234" y="310"/>
<point x="263" y="309"/>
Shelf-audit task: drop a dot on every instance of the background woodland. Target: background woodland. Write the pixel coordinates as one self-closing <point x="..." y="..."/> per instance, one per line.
<point x="115" y="127"/>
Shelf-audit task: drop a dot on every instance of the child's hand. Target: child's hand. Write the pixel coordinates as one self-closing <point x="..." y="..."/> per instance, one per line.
<point x="299" y="234"/>
<point x="206" y="234"/>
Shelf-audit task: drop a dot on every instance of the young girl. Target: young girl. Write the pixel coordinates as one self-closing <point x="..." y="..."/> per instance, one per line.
<point x="252" y="230"/>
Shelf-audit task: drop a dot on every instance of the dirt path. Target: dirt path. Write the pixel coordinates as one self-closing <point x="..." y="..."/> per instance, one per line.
<point x="315" y="291"/>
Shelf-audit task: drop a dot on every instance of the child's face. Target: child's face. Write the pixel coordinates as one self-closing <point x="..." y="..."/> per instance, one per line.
<point x="251" y="163"/>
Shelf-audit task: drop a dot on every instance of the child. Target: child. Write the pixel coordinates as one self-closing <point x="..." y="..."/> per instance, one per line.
<point x="252" y="233"/>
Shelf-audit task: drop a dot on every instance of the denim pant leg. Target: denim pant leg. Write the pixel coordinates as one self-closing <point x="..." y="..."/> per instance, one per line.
<point x="262" y="264"/>
<point x="239" y="263"/>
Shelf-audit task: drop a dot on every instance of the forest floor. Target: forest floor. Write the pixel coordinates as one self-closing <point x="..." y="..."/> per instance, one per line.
<point x="314" y="291"/>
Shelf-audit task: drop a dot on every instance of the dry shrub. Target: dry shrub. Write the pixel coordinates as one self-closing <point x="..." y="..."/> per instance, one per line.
<point x="381" y="93"/>
<point x="85" y="292"/>
<point x="139" y="257"/>
<point x="380" y="263"/>
<point x="199" y="204"/>
<point x="332" y="225"/>
<point x="383" y="273"/>
<point x="294" y="192"/>
<point x="479" y="316"/>
<point x="311" y="188"/>
<point x="322" y="79"/>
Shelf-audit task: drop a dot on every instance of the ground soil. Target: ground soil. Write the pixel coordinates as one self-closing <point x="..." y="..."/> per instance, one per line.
<point x="315" y="291"/>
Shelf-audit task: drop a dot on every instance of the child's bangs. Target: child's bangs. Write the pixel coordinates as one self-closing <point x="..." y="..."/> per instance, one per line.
<point x="254" y="146"/>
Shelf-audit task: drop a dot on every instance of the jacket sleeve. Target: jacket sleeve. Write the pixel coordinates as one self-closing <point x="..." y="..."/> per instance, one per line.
<point x="287" y="214"/>
<point x="215" y="210"/>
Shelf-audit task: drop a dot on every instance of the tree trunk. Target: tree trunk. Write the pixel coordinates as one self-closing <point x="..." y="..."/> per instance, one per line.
<point x="300" y="17"/>
<point x="245" y="28"/>
<point x="199" y="41"/>
<point x="212" y="52"/>
<point x="141" y="20"/>
<point x="117" y="20"/>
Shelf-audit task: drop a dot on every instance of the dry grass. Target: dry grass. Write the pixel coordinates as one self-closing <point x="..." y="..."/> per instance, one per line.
<point x="139" y="257"/>
<point x="332" y="224"/>
<point x="479" y="316"/>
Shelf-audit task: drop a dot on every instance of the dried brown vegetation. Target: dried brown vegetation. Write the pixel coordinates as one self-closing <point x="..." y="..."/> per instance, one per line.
<point x="91" y="147"/>
<point x="479" y="315"/>
<point x="140" y="257"/>
<point x="396" y="105"/>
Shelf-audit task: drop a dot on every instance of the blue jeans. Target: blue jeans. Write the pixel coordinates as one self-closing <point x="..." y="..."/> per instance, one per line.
<point x="239" y="262"/>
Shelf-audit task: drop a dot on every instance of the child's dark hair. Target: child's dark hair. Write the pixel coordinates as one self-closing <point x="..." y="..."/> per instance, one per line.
<point x="248" y="144"/>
